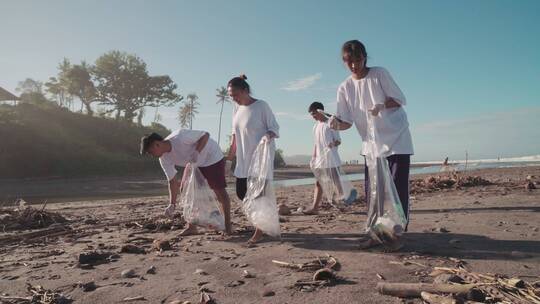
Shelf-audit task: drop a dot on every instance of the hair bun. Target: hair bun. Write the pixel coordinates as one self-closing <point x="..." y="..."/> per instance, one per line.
<point x="243" y="76"/>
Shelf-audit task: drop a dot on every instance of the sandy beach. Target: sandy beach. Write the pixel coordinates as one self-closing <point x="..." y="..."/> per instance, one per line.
<point x="487" y="229"/>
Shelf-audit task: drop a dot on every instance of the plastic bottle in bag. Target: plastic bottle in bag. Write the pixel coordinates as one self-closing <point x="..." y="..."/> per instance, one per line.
<point x="200" y="206"/>
<point x="259" y="204"/>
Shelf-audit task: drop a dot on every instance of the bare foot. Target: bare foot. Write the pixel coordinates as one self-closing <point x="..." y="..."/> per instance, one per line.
<point x="257" y="236"/>
<point x="190" y="230"/>
<point x="311" y="211"/>
<point x="369" y="243"/>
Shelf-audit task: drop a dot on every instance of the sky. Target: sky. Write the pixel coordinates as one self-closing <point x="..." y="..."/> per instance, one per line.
<point x="470" y="69"/>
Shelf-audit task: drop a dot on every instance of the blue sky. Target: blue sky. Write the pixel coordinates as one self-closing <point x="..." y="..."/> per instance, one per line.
<point x="469" y="69"/>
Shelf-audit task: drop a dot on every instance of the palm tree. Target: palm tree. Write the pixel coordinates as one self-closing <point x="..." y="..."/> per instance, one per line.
<point x="188" y="110"/>
<point x="191" y="107"/>
<point x="223" y="97"/>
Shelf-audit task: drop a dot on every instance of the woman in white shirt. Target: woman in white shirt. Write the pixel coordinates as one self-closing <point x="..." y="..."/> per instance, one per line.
<point x="370" y="96"/>
<point x="253" y="121"/>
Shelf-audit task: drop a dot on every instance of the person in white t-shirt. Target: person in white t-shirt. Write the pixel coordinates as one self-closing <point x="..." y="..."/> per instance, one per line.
<point x="253" y="121"/>
<point x="190" y="146"/>
<point x="325" y="156"/>
<point x="370" y="96"/>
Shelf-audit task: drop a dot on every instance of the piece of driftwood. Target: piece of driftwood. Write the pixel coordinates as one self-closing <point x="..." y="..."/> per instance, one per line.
<point x="414" y="290"/>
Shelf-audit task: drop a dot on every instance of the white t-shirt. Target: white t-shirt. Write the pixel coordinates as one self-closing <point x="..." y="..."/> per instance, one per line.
<point x="249" y="124"/>
<point x="323" y="135"/>
<point x="183" y="143"/>
<point x="356" y="97"/>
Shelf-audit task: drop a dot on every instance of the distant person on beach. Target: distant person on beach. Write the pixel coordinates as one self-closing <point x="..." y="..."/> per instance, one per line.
<point x="446" y="167"/>
<point x="190" y="146"/>
<point x="253" y="121"/>
<point x="325" y="156"/>
<point x="371" y="96"/>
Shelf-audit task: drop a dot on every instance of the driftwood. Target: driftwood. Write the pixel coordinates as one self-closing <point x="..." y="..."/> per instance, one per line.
<point x="414" y="290"/>
<point x="325" y="262"/>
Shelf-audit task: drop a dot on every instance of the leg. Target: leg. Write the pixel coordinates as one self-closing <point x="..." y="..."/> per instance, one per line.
<point x="241" y="188"/>
<point x="337" y="183"/>
<point x="257" y="236"/>
<point x="399" y="167"/>
<point x="189" y="230"/>
<point x="225" y="204"/>
<point x="215" y="176"/>
<point x="317" y="197"/>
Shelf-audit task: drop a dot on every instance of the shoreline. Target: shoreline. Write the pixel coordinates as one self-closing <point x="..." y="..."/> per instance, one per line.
<point x="95" y="189"/>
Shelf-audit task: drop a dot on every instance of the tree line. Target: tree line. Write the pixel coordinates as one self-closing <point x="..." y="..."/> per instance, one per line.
<point x="116" y="85"/>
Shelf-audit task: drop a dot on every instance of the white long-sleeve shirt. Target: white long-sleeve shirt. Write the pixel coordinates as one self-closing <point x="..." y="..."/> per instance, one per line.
<point x="356" y="97"/>
<point x="249" y="124"/>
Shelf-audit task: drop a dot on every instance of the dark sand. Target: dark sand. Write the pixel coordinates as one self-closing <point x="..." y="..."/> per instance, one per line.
<point x="492" y="228"/>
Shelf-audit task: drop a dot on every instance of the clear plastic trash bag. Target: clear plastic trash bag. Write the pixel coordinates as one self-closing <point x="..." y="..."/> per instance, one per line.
<point x="259" y="204"/>
<point x="199" y="203"/>
<point x="386" y="220"/>
<point x="334" y="182"/>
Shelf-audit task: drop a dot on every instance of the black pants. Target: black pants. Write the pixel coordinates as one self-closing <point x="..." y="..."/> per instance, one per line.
<point x="241" y="187"/>
<point x="399" y="165"/>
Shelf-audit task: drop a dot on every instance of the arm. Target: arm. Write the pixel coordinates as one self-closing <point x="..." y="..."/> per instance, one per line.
<point x="232" y="149"/>
<point x="343" y="111"/>
<point x="173" y="190"/>
<point x="391" y="103"/>
<point x="201" y="143"/>
<point x="340" y="125"/>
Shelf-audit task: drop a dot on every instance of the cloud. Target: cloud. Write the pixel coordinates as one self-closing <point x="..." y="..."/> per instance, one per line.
<point x="302" y="83"/>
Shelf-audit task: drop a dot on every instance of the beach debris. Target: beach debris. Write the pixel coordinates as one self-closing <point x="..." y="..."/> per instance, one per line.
<point x="200" y="272"/>
<point x="530" y="186"/>
<point x="133" y="299"/>
<point x="235" y="283"/>
<point x="87" y="287"/>
<point x="37" y="295"/>
<point x="324" y="274"/>
<point x="446" y="278"/>
<point x="25" y="217"/>
<point x="94" y="257"/>
<point x="158" y="224"/>
<point x="441" y="230"/>
<point x="268" y="293"/>
<point x="205" y="298"/>
<point x="324" y="262"/>
<point x="380" y="277"/>
<point x="161" y="245"/>
<point x="431" y="298"/>
<point x="407" y="290"/>
<point x="128" y="273"/>
<point x="283" y="209"/>
<point x="247" y="275"/>
<point x="455" y="181"/>
<point x="151" y="270"/>
<point x="498" y="288"/>
<point x="130" y="248"/>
